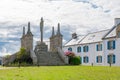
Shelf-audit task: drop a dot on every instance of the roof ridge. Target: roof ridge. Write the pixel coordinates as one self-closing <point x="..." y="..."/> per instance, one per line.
<point x="80" y="35"/>
<point x="98" y="31"/>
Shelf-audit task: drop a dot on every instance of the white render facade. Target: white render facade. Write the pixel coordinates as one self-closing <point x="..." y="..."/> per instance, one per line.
<point x="98" y="48"/>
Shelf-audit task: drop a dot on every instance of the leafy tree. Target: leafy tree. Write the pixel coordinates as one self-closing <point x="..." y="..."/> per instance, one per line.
<point x="23" y="57"/>
<point x="22" y="53"/>
<point x="7" y="56"/>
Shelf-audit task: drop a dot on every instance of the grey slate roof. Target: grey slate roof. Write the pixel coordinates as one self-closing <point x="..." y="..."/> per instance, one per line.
<point x="94" y="37"/>
<point x="74" y="41"/>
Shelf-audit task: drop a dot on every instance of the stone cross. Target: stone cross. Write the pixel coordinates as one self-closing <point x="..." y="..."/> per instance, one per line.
<point x="41" y="29"/>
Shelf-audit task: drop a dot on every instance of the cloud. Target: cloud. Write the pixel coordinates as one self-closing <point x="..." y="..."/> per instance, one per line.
<point x="80" y="16"/>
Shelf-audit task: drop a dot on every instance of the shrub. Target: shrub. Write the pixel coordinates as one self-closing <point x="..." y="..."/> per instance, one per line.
<point x="76" y="60"/>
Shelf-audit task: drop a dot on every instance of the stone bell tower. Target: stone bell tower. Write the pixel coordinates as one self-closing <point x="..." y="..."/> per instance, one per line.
<point x="56" y="40"/>
<point x="27" y="39"/>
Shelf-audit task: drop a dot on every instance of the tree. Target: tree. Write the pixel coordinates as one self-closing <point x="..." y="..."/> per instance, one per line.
<point x="23" y="57"/>
<point x="7" y="56"/>
<point x="22" y="53"/>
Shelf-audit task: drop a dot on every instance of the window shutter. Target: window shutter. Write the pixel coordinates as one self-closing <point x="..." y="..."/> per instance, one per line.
<point x="97" y="59"/>
<point x="113" y="58"/>
<point x="80" y="49"/>
<point x="77" y="49"/>
<point x="97" y="47"/>
<point x="101" y="59"/>
<point x="113" y="44"/>
<point x="87" y="60"/>
<point x="84" y="59"/>
<point x="108" y="45"/>
<point x="87" y="48"/>
<point x="84" y="49"/>
<point x="101" y="47"/>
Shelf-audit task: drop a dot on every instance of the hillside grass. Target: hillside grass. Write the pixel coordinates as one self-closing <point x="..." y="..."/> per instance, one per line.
<point x="60" y="73"/>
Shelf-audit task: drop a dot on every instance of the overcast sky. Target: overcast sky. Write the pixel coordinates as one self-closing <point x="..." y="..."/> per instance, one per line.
<point x="80" y="16"/>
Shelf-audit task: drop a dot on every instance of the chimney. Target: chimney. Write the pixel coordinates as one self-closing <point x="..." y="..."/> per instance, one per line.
<point x="74" y="35"/>
<point x="117" y="21"/>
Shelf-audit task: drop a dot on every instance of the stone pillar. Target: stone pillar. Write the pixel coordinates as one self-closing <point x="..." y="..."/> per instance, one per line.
<point x="41" y="29"/>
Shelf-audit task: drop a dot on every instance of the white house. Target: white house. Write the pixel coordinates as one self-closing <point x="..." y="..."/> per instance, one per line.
<point x="98" y="48"/>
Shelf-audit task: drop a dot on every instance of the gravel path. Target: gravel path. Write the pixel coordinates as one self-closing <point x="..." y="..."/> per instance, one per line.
<point x="7" y="67"/>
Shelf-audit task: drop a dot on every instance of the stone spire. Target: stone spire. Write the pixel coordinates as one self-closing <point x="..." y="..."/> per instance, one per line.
<point x="23" y="31"/>
<point x="28" y="28"/>
<point x="29" y="31"/>
<point x="53" y="31"/>
<point x="58" y="30"/>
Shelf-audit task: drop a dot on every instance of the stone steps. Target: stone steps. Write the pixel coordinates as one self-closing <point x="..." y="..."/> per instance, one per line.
<point x="49" y="58"/>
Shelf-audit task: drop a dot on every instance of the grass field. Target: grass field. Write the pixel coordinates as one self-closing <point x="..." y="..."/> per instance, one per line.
<point x="60" y="73"/>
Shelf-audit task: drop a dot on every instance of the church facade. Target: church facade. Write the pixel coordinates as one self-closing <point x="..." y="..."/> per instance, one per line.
<point x="98" y="48"/>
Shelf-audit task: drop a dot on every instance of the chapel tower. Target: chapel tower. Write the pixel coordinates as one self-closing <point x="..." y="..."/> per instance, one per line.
<point x="27" y="39"/>
<point x="56" y="40"/>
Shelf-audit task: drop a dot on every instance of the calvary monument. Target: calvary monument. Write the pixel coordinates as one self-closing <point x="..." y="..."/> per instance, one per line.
<point x="41" y="55"/>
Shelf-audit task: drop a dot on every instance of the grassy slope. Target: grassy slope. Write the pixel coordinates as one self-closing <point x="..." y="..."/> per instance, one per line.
<point x="61" y="73"/>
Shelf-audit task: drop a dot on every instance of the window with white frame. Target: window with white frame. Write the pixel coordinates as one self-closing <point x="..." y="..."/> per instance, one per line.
<point x="99" y="59"/>
<point x="111" y="45"/>
<point x="111" y="59"/>
<point x="85" y="49"/>
<point x="78" y="49"/>
<point x="99" y="47"/>
<point x="85" y="59"/>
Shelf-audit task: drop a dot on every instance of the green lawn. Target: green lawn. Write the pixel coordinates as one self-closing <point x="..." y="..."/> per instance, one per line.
<point x="61" y="73"/>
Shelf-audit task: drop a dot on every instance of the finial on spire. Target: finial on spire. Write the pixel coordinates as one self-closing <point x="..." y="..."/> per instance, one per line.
<point x="58" y="30"/>
<point x="23" y="31"/>
<point x="29" y="31"/>
<point x="28" y="26"/>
